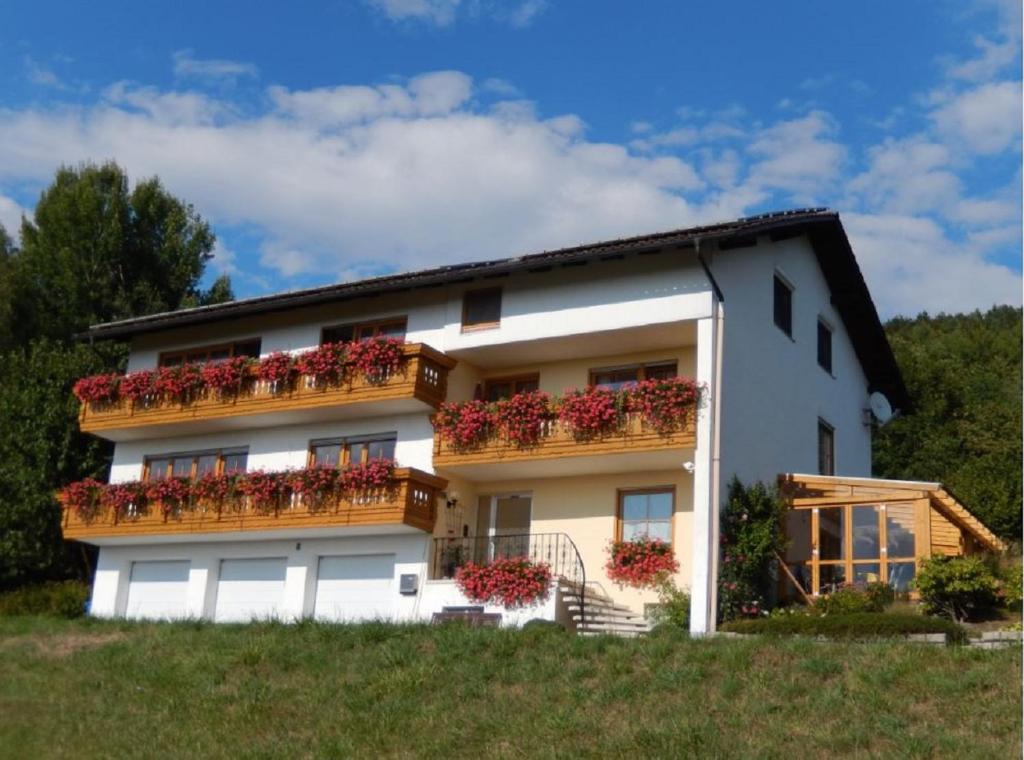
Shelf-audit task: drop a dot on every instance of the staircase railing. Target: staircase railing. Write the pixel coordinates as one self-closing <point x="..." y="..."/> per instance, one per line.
<point x="557" y="550"/>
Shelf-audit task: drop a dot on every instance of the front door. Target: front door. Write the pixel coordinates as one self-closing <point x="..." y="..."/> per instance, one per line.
<point x="508" y="525"/>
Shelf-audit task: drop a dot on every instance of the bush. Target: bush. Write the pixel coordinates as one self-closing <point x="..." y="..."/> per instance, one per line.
<point x="859" y="625"/>
<point x="66" y="599"/>
<point x="1010" y="582"/>
<point x="673" y="608"/>
<point x="872" y="597"/>
<point x="956" y="587"/>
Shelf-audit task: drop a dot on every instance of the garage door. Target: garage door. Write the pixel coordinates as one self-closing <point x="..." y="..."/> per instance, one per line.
<point x="250" y="589"/>
<point x="355" y="587"/>
<point x="158" y="590"/>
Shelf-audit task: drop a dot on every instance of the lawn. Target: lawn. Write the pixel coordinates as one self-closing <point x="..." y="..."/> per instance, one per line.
<point x="113" y="689"/>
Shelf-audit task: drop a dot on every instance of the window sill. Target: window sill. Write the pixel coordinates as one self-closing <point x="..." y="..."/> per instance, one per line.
<point x="481" y="327"/>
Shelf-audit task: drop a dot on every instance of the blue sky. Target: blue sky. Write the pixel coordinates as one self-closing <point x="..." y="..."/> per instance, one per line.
<point x="348" y="139"/>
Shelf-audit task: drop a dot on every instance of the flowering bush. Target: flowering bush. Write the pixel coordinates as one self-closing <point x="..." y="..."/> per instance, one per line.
<point x="464" y="425"/>
<point x="123" y="497"/>
<point x="172" y="493"/>
<point x="278" y="368"/>
<point x="377" y="359"/>
<point x="664" y="405"/>
<point x="368" y="476"/>
<point x="267" y="491"/>
<point x="179" y="383"/>
<point x="641" y="562"/>
<point x="218" y="490"/>
<point x="592" y="412"/>
<point x="511" y="582"/>
<point x="315" y="485"/>
<point x="226" y="377"/>
<point x="521" y="418"/>
<point x="136" y="386"/>
<point x="96" y="389"/>
<point x="84" y="497"/>
<point x="326" y="364"/>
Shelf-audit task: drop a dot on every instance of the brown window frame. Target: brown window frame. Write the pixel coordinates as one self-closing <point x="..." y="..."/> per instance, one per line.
<point x="346" y="446"/>
<point x="513" y="380"/>
<point x="620" y="495"/>
<point x="641" y="369"/>
<point x="182" y="354"/>
<point x="374" y="326"/>
<point x="195" y="455"/>
<point x="470" y="327"/>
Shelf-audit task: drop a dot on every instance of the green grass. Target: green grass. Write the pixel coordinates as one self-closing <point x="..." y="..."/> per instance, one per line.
<point x="87" y="688"/>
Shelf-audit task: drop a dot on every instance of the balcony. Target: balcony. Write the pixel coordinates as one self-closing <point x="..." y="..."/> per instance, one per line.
<point x="421" y="385"/>
<point x="409" y="504"/>
<point x="635" y="447"/>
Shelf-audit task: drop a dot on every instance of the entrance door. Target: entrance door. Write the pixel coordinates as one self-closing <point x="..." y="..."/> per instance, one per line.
<point x="508" y="525"/>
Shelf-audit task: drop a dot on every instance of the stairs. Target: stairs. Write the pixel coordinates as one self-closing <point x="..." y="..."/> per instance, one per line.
<point x="600" y="615"/>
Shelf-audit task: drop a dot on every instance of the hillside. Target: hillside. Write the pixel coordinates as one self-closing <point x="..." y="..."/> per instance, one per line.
<point x="963" y="372"/>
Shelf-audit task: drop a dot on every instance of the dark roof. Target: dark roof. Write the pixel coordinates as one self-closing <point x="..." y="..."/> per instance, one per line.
<point x="850" y="294"/>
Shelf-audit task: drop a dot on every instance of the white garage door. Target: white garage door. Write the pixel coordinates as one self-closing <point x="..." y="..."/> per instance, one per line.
<point x="355" y="588"/>
<point x="158" y="590"/>
<point x="250" y="589"/>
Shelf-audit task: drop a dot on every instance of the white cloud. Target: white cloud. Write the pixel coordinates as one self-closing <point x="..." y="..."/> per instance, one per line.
<point x="798" y="156"/>
<point x="187" y="66"/>
<point x="10" y="215"/>
<point x="38" y="74"/>
<point x="986" y="119"/>
<point x="442" y="13"/>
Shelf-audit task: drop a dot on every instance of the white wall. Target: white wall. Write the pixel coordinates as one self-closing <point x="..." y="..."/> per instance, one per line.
<point x="773" y="389"/>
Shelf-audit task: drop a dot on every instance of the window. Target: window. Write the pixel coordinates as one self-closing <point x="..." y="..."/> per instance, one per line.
<point x="826" y="448"/>
<point x="393" y="327"/>
<point x="195" y="464"/>
<point x="646" y="512"/>
<point x="498" y="388"/>
<point x="481" y="308"/>
<point x="211" y="353"/>
<point x="824" y="346"/>
<point x="337" y="452"/>
<point x="616" y="377"/>
<point x="783" y="306"/>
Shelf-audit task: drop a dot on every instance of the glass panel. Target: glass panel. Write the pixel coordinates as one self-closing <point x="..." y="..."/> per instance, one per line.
<point x="865" y="533"/>
<point x="829" y="577"/>
<point x="206" y="464"/>
<point x="660" y="371"/>
<point x="250" y="348"/>
<point x="383" y="449"/>
<point x="198" y="356"/>
<point x="341" y="334"/>
<point x="634" y="507"/>
<point x="661" y="529"/>
<point x="158" y="468"/>
<point x="182" y="467"/>
<point x="633" y="530"/>
<point x="616" y="378"/>
<point x="798" y="533"/>
<point x="899" y="530"/>
<point x="170" y="361"/>
<point x="831" y="533"/>
<point x="513" y="516"/>
<point x="482" y="307"/>
<point x="219" y="354"/>
<point x="235" y="462"/>
<point x="392" y="330"/>
<point x="802" y="572"/>
<point x="900" y="575"/>
<point x="527" y="386"/>
<point x="659" y="505"/>
<point x="869" y="572"/>
<point x="327" y="455"/>
<point x="497" y="391"/>
<point x="355" y="452"/>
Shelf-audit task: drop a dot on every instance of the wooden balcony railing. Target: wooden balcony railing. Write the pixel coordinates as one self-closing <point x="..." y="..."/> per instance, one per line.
<point x="557" y="442"/>
<point x="411" y="500"/>
<point x="424" y="376"/>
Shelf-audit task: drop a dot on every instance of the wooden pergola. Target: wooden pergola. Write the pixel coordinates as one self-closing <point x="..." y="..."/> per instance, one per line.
<point x="844" y="530"/>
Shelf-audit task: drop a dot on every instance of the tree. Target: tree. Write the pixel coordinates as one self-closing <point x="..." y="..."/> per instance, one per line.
<point x="963" y="373"/>
<point x="94" y="252"/>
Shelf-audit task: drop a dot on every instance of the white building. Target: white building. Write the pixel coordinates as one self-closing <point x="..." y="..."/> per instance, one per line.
<point x="770" y="315"/>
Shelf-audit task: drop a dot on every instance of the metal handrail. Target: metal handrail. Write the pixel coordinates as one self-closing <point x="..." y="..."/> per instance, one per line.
<point x="558" y="550"/>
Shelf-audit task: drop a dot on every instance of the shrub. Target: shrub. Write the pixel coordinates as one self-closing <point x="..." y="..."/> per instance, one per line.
<point x="857" y="625"/>
<point x="641" y="562"/>
<point x="673" y="606"/>
<point x="66" y="599"/>
<point x="464" y="425"/>
<point x="521" y="419"/>
<point x="1010" y="577"/>
<point x="956" y="587"/>
<point x="511" y="582"/>
<point x="871" y="597"/>
<point x="751" y="539"/>
<point x="664" y="405"/>
<point x="592" y="412"/>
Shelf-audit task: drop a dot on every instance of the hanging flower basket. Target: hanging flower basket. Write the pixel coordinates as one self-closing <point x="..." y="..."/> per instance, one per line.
<point x="326" y="365"/>
<point x="315" y="486"/>
<point x="664" y="405"/>
<point x="173" y="494"/>
<point x="85" y="497"/>
<point x="523" y="418"/>
<point x="226" y="377"/>
<point x="278" y="369"/>
<point x="592" y="412"/>
<point x="137" y="386"/>
<point x="464" y="425"/>
<point x="218" y="491"/>
<point x="98" y="389"/>
<point x="511" y="582"/>
<point x="125" y="499"/>
<point x="267" y="491"/>
<point x="640" y="562"/>
<point x="377" y="359"/>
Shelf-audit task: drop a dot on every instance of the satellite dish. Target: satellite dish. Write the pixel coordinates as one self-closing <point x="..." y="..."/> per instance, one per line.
<point x="880" y="407"/>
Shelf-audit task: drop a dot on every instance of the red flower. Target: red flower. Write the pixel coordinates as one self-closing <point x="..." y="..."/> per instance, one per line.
<point x="511" y="582"/>
<point x="84" y="497"/>
<point x="377" y="359"/>
<point x="267" y="491"/>
<point x="137" y="386"/>
<point x="226" y="377"/>
<point x="642" y="562"/>
<point x="664" y="405"/>
<point x="591" y="413"/>
<point x="121" y="497"/>
<point x="464" y="425"/>
<point x="179" y="383"/>
<point x="277" y="368"/>
<point x="172" y="493"/>
<point x="368" y="476"/>
<point x="315" y="485"/>
<point x="523" y="418"/>
<point x="217" y="490"/>
<point x="325" y="364"/>
<point x="97" y="389"/>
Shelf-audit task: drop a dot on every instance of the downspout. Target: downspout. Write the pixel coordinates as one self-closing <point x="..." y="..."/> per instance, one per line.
<point x="717" y="314"/>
